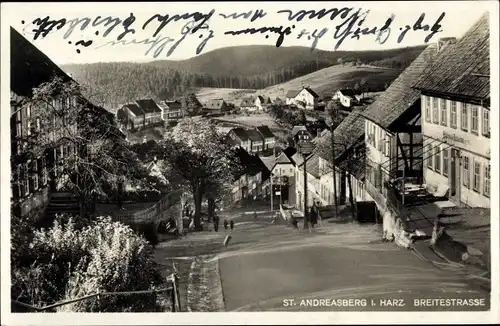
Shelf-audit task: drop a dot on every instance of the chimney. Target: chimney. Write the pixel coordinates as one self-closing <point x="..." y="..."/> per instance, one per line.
<point x="444" y="42"/>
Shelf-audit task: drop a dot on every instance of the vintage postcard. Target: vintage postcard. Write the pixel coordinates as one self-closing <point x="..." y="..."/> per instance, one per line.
<point x="250" y="163"/>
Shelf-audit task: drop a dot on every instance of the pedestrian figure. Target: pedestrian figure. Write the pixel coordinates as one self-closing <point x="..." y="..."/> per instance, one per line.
<point x="295" y="223"/>
<point x="216" y="223"/>
<point x="231" y="224"/>
<point x="225" y="224"/>
<point x="255" y="216"/>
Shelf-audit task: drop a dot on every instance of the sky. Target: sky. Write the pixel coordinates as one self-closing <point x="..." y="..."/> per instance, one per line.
<point x="63" y="47"/>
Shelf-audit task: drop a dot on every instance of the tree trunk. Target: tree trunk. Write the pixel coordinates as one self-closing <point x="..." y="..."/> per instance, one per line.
<point x="351" y="198"/>
<point x="211" y="209"/>
<point x="197" y="207"/>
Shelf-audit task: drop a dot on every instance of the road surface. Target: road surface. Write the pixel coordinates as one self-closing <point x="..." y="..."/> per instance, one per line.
<point x="340" y="267"/>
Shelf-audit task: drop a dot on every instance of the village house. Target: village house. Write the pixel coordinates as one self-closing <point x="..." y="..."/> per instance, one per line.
<point x="172" y="110"/>
<point x="249" y="183"/>
<point x="313" y="180"/>
<point x="262" y="103"/>
<point x="140" y="114"/>
<point x="284" y="165"/>
<point x="256" y="141"/>
<point x="393" y="133"/>
<point x="37" y="184"/>
<point x="455" y="96"/>
<point x="216" y="106"/>
<point x="305" y="98"/>
<point x="348" y="97"/>
<point x="239" y="138"/>
<point x="248" y="103"/>
<point x="300" y="133"/>
<point x="349" y="158"/>
<point x="268" y="136"/>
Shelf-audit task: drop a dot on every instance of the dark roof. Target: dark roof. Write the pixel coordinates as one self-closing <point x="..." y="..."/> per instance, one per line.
<point x="254" y="135"/>
<point x="172" y="105"/>
<point x="313" y="93"/>
<point x="348" y="92"/>
<point x="289" y="152"/>
<point x="312" y="166"/>
<point x="265" y="131"/>
<point x="240" y="133"/>
<point x="347" y="134"/>
<point x="248" y="101"/>
<point x="261" y="99"/>
<point x="400" y="95"/>
<point x="214" y="104"/>
<point x="296" y="129"/>
<point x="30" y="67"/>
<point x="268" y="100"/>
<point x="134" y="108"/>
<point x="148" y="105"/>
<point x="462" y="68"/>
<point x="252" y="164"/>
<point x="292" y="93"/>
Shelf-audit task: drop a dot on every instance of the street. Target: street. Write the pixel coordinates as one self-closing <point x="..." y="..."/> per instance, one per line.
<point x="270" y="267"/>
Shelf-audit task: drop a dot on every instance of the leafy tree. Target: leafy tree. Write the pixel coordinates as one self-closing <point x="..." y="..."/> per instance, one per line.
<point x="302" y="119"/>
<point x="357" y="88"/>
<point x="92" y="155"/>
<point x="190" y="104"/>
<point x="202" y="157"/>
<point x="362" y="85"/>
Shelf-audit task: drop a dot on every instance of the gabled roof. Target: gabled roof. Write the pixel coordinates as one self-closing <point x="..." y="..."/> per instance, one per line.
<point x="134" y="108"/>
<point x="463" y="68"/>
<point x="268" y="100"/>
<point x="214" y="104"/>
<point x="400" y="95"/>
<point x="296" y="129"/>
<point x="252" y="164"/>
<point x="310" y="91"/>
<point x="30" y="67"/>
<point x="248" y="101"/>
<point x="170" y="105"/>
<point x="148" y="105"/>
<point x="254" y="135"/>
<point x="298" y="159"/>
<point x="261" y="99"/>
<point x="292" y="93"/>
<point x="289" y="152"/>
<point x="265" y="131"/>
<point x="349" y="92"/>
<point x="282" y="159"/>
<point x="240" y="133"/>
<point x="348" y="133"/>
<point x="312" y="166"/>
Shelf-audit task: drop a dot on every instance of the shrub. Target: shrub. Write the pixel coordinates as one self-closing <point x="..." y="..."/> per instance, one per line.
<point x="72" y="260"/>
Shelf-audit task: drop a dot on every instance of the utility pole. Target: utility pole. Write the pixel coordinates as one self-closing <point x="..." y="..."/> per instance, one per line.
<point x="306" y="224"/>
<point x="272" y="191"/>
<point x="334" y="114"/>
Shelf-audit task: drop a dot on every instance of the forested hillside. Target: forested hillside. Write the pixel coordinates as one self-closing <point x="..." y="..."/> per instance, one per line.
<point x="245" y="67"/>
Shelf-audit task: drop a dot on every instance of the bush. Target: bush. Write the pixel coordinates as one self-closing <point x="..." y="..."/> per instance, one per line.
<point x="71" y="260"/>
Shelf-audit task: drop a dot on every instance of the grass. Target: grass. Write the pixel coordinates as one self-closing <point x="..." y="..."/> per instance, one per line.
<point x="252" y="120"/>
<point x="325" y="82"/>
<point x="155" y="133"/>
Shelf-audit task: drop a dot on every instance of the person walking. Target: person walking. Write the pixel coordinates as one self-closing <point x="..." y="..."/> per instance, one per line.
<point x="226" y="224"/>
<point x="216" y="222"/>
<point x="231" y="225"/>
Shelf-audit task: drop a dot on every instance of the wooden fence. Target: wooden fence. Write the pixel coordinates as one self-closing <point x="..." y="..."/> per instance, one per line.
<point x="173" y="290"/>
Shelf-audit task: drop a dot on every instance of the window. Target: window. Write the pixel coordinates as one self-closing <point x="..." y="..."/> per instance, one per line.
<point x="38" y="125"/>
<point x="26" y="183"/>
<point x="429" y="156"/>
<point x="28" y="128"/>
<point x="35" y="175"/>
<point x="453" y="114"/>
<point x="487" y="177"/>
<point x="477" y="175"/>
<point x="486" y="122"/>
<point x="445" y="162"/>
<point x="44" y="171"/>
<point x="464" y="119"/>
<point x="466" y="172"/>
<point x="19" y="129"/>
<point x="427" y="104"/>
<point x="444" y="116"/>
<point x="28" y="111"/>
<point x="437" y="159"/>
<point x="435" y="111"/>
<point x="474" y="120"/>
<point x="388" y="146"/>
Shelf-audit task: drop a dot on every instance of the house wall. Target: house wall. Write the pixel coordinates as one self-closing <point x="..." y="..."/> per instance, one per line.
<point x="306" y="97"/>
<point x="284" y="169"/>
<point x="345" y="101"/>
<point x="445" y="127"/>
<point x="290" y="101"/>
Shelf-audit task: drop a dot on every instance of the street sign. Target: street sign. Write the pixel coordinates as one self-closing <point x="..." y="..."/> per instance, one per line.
<point x="306" y="147"/>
